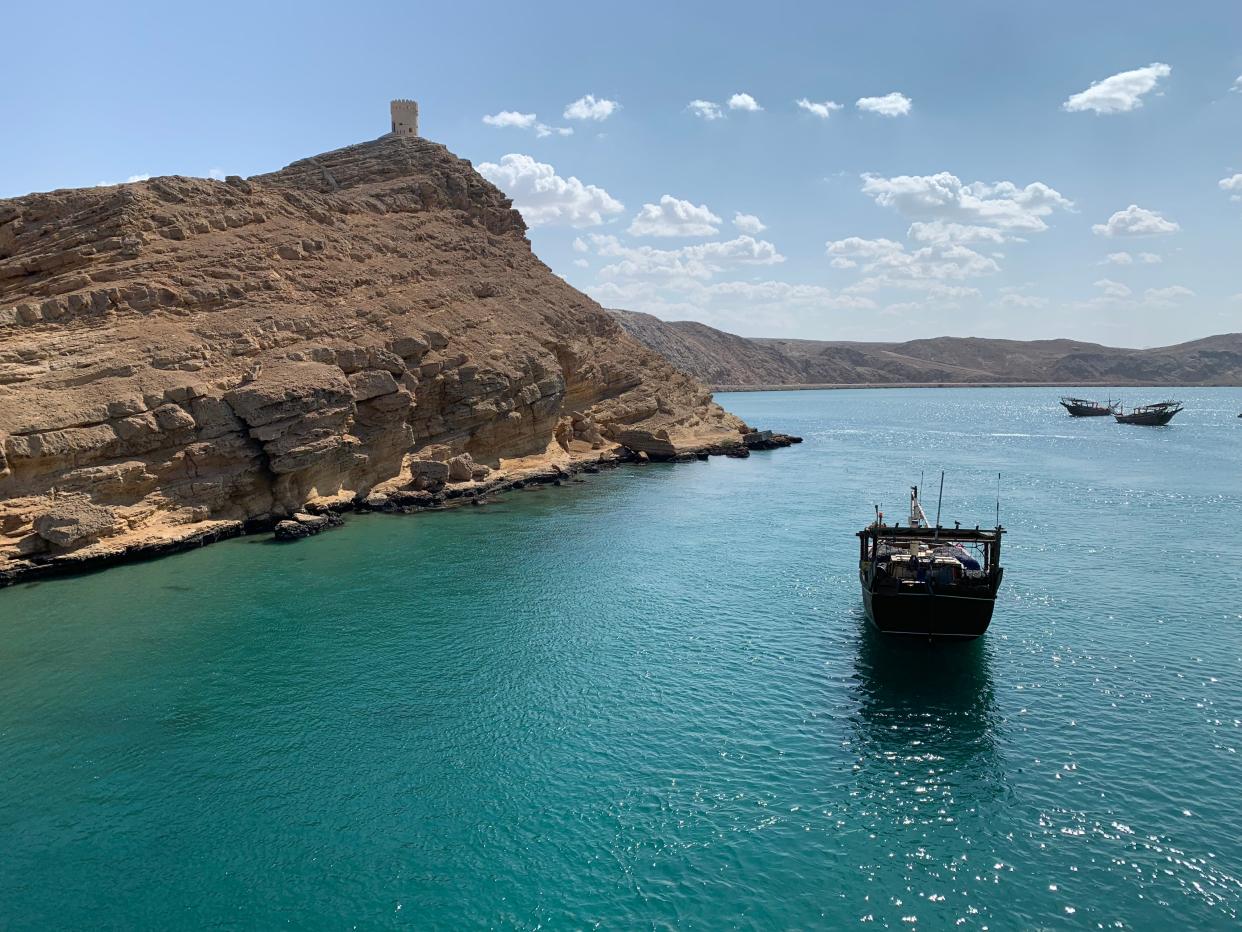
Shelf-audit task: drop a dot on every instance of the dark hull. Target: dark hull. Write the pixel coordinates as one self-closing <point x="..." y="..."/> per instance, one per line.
<point x="1084" y="411"/>
<point x="1148" y="420"/>
<point x="929" y="614"/>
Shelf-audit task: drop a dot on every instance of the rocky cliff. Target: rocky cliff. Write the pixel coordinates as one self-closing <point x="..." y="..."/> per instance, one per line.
<point x="181" y="355"/>
<point x="722" y="359"/>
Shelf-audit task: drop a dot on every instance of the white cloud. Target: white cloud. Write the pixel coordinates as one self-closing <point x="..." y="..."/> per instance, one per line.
<point x="941" y="232"/>
<point x="1135" y="221"/>
<point x="591" y="108"/>
<point x="674" y="217"/>
<point x="887" y="264"/>
<point x="511" y="118"/>
<point x="580" y="245"/>
<point x="743" y="102"/>
<point x="840" y="262"/>
<point x="1237" y="85"/>
<point x="1150" y="258"/>
<point x="1120" y="92"/>
<point x="951" y="209"/>
<point x="216" y="174"/>
<point x="748" y="223"/>
<point x="890" y="105"/>
<point x="821" y="110"/>
<point x="1113" y="289"/>
<point x="514" y="119"/>
<point x="701" y="261"/>
<point x="545" y="198"/>
<point x="582" y="263"/>
<point x="1166" y="297"/>
<point x="705" y="109"/>
<point x="1118" y="258"/>
<point x="1233" y="186"/>
<point x="130" y="180"/>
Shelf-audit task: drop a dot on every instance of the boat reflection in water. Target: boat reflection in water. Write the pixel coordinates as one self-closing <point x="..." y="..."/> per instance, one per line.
<point x="924" y="727"/>
<point x="928" y="782"/>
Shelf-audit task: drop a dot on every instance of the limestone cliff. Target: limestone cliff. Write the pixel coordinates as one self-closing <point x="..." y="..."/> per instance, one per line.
<point x="180" y="355"/>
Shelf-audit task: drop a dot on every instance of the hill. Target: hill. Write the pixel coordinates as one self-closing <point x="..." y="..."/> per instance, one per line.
<point x="723" y="359"/>
<point x="180" y="357"/>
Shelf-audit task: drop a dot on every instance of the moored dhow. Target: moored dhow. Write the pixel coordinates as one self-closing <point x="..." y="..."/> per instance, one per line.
<point x="932" y="582"/>
<point x="1083" y="407"/>
<point x="1153" y="415"/>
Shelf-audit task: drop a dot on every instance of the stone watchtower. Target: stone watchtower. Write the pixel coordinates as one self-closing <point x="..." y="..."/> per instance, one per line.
<point x="404" y="117"/>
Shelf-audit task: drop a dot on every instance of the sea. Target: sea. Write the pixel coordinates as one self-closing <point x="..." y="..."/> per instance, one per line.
<point x="650" y="699"/>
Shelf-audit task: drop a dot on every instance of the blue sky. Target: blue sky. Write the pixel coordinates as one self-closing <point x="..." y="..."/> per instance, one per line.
<point x="986" y="199"/>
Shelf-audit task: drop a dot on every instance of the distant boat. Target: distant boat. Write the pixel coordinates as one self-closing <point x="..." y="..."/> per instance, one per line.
<point x="1154" y="415"/>
<point x="932" y="582"/>
<point x="1082" y="407"/>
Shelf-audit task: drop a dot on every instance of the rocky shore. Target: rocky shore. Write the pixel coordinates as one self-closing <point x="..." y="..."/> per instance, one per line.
<point x="421" y="494"/>
<point x="185" y="359"/>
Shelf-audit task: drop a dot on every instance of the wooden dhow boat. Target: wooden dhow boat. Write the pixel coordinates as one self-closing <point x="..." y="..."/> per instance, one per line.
<point x="1083" y="407"/>
<point x="932" y="582"/>
<point x="1153" y="415"/>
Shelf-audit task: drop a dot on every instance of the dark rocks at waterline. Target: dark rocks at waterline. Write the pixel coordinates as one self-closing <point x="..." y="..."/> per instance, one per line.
<point x="303" y="524"/>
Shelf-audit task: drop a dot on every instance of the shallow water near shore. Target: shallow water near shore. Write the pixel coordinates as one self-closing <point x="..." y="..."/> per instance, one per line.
<point x="650" y="700"/>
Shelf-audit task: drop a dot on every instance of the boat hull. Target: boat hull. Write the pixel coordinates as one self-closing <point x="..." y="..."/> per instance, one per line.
<point x="1147" y="420"/>
<point x="928" y="614"/>
<point x="1084" y="411"/>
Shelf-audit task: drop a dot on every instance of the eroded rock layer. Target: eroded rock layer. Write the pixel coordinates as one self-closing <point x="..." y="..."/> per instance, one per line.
<point x="181" y="354"/>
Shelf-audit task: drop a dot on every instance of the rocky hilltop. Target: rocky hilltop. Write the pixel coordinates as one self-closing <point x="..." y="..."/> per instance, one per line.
<point x="181" y="358"/>
<point x="725" y="360"/>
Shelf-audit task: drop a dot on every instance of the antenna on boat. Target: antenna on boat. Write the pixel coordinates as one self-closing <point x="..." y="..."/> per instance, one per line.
<point x="998" y="499"/>
<point x="939" y="501"/>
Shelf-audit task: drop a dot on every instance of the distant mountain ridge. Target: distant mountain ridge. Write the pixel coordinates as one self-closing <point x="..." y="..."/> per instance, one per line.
<point x="725" y="360"/>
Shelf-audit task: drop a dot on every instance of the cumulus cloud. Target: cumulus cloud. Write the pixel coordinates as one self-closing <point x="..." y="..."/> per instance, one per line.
<point x="1233" y="186"/>
<point x="1125" y="258"/>
<point x="1119" y="93"/>
<point x="674" y="217"/>
<point x="515" y="120"/>
<point x="580" y="245"/>
<point x="886" y="263"/>
<point x="890" y="105"/>
<point x="705" y="109"/>
<point x="700" y="261"/>
<point x="1237" y="85"/>
<point x="748" y="223"/>
<point x="949" y="211"/>
<point x="591" y="108"/>
<point x="941" y="232"/>
<point x="821" y="110"/>
<point x="1113" y="289"/>
<point x="545" y="198"/>
<point x="216" y="174"/>
<point x="1135" y="221"/>
<point x="511" y="118"/>
<point x="743" y="102"/>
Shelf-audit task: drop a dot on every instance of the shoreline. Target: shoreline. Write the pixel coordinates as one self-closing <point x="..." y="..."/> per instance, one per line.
<point x="312" y="518"/>
<point x="840" y="386"/>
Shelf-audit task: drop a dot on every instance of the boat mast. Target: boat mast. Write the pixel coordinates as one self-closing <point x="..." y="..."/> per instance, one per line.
<point x="939" y="502"/>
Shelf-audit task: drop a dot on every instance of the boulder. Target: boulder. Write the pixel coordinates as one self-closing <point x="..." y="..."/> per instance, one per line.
<point x="73" y="523"/>
<point x="655" y="445"/>
<point x="461" y="468"/>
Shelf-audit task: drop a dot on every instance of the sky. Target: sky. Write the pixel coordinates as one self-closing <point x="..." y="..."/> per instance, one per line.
<point x="829" y="171"/>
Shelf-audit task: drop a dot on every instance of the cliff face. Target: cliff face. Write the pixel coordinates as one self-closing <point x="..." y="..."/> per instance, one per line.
<point x="182" y="354"/>
<point x="722" y="359"/>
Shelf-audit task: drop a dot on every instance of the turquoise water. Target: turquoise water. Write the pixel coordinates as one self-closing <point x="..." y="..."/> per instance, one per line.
<point x="650" y="700"/>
